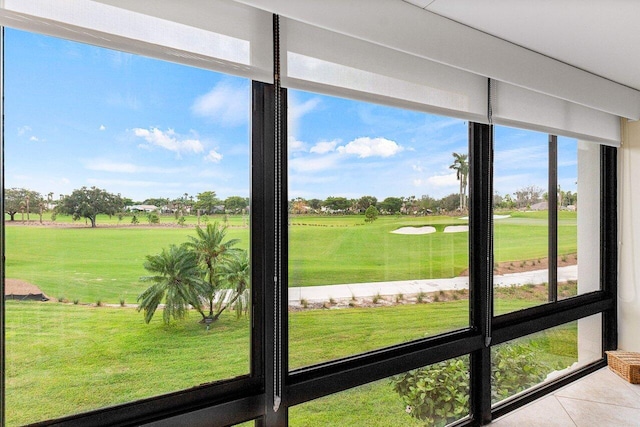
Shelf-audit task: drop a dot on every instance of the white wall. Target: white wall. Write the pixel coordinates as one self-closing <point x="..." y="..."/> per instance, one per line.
<point x="589" y="329"/>
<point x="629" y="238"/>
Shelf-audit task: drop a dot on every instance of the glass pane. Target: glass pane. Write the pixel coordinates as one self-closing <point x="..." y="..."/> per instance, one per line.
<point x="529" y="361"/>
<point x="378" y="231"/>
<point x="521" y="219"/>
<point x="167" y="149"/>
<point x="578" y="222"/>
<point x="435" y="396"/>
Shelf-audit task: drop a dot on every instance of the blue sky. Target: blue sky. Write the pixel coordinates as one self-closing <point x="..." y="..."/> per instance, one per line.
<point x="78" y="115"/>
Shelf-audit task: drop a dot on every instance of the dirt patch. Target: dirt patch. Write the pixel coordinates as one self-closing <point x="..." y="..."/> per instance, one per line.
<point x="529" y="265"/>
<point x="21" y="289"/>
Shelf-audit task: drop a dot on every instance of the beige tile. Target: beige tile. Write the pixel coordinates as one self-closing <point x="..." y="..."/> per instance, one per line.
<point x="547" y="412"/>
<point x="602" y="386"/>
<point x="589" y="414"/>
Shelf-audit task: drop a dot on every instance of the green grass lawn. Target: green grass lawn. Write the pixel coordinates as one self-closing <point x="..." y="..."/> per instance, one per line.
<point x="66" y="358"/>
<point x="106" y="263"/>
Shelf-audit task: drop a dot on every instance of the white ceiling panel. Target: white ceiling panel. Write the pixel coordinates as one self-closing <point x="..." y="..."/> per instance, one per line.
<point x="599" y="36"/>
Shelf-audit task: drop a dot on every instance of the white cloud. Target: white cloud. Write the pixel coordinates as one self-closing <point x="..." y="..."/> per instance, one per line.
<point x="131" y="183"/>
<point x="213" y="156"/>
<point x="369" y="147"/>
<point x="304" y="164"/>
<point x="448" y="180"/>
<point x="169" y="140"/>
<point x="417" y="168"/>
<point x="102" y="127"/>
<point x="324" y="147"/>
<point x="294" y="145"/>
<point x="226" y="104"/>
<point x="23" y="129"/>
<point x="297" y="110"/>
<point x="34" y="138"/>
<point x="110" y="166"/>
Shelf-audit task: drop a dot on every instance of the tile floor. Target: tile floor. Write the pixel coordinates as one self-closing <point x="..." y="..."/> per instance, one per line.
<point x="601" y="399"/>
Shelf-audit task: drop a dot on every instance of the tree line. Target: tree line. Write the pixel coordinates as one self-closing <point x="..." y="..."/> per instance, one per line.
<point x="88" y="203"/>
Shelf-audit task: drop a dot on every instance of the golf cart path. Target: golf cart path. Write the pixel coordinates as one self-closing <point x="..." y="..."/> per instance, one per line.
<point x="410" y="287"/>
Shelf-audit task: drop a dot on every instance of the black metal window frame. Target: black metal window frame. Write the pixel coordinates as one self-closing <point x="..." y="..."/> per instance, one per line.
<point x="270" y="389"/>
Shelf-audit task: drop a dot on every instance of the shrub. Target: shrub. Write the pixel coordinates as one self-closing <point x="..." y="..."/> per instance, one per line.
<point x="134" y="220"/>
<point x="76" y="301"/>
<point x="153" y="218"/>
<point x="122" y="302"/>
<point x="439" y="394"/>
<point x="181" y="221"/>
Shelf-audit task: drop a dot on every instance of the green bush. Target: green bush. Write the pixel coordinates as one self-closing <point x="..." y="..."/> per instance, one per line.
<point x="153" y="218"/>
<point x="514" y="368"/>
<point x="439" y="394"/>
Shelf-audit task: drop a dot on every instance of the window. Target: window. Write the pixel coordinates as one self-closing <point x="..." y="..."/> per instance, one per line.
<point x="84" y="123"/>
<point x="378" y="227"/>
<point x="298" y="195"/>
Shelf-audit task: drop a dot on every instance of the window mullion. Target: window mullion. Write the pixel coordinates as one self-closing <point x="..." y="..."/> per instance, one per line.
<point x="552" y="201"/>
<point x="481" y="263"/>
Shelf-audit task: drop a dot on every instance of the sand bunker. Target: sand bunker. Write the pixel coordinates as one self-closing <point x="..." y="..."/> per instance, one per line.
<point x="427" y="229"/>
<point x="456" y="228"/>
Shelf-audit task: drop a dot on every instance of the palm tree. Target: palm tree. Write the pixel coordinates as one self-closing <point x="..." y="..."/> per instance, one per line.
<point x="212" y="251"/>
<point x="236" y="273"/>
<point x="177" y="279"/>
<point x="461" y="166"/>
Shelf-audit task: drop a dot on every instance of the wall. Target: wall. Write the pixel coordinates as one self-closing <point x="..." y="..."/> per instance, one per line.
<point x="629" y="238"/>
<point x="589" y="329"/>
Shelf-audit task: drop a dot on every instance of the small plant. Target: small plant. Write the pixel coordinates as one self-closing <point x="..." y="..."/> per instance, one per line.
<point x="538" y="260"/>
<point x="181" y="221"/>
<point x="122" y="303"/>
<point x="304" y="303"/>
<point x="62" y="299"/>
<point x="53" y="216"/>
<point x="353" y="297"/>
<point x="153" y="218"/>
<point x="564" y="258"/>
<point x="76" y="301"/>
<point x="522" y="264"/>
<point x="135" y="220"/>
<point x="420" y="297"/>
<point x="376" y="298"/>
<point x="436" y="298"/>
<point x="399" y="298"/>
<point x="332" y="301"/>
<point x="99" y="303"/>
<point x="456" y="296"/>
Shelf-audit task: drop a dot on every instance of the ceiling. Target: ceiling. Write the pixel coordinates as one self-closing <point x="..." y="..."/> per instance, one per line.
<point x="598" y="36"/>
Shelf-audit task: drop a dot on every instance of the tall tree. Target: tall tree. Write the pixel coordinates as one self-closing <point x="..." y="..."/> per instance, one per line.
<point x="207" y="201"/>
<point x="461" y="166"/>
<point x="236" y="204"/>
<point x="15" y="200"/>
<point x="177" y="280"/>
<point x="213" y="249"/>
<point x="391" y="205"/>
<point x="337" y="203"/>
<point x="89" y="202"/>
<point x="365" y="201"/>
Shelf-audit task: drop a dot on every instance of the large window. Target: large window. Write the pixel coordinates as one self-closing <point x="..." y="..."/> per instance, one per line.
<point x="306" y="228"/>
<point x="378" y="227"/>
<point x="126" y="203"/>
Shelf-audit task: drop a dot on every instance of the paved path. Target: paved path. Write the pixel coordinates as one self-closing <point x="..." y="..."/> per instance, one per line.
<point x="412" y="287"/>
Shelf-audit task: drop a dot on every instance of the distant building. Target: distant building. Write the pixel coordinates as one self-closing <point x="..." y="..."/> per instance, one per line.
<point x="142" y="208"/>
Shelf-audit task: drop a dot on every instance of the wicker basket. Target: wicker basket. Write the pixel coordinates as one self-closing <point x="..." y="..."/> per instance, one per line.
<point x="626" y="364"/>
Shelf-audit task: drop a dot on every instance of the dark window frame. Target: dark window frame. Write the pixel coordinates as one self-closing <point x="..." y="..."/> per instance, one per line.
<point x="252" y="397"/>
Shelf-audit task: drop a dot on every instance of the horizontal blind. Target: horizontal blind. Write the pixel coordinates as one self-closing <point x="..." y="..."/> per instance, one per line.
<point x="518" y="107"/>
<point x="219" y="35"/>
<point x="327" y="62"/>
